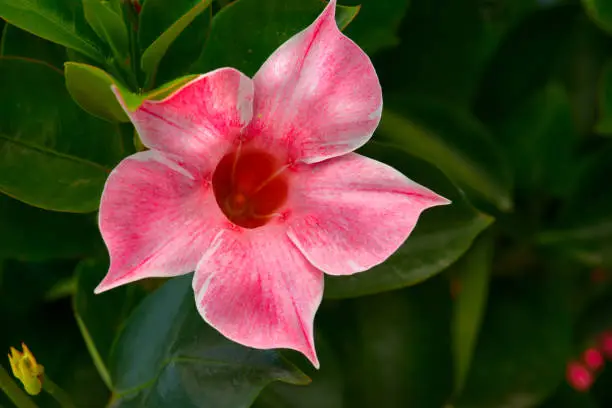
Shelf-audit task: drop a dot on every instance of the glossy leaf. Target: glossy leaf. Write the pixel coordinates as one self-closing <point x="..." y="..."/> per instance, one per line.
<point x="19" y="43"/>
<point x="455" y="142"/>
<point x="470" y="281"/>
<point x="154" y="53"/>
<point x="108" y="24"/>
<point x="59" y="157"/>
<point x="264" y="26"/>
<point x="59" y="21"/>
<point x="168" y="355"/>
<point x="90" y="87"/>
<point x="185" y="50"/>
<point x="601" y="12"/>
<point x="101" y="317"/>
<point x="441" y="236"/>
<point x="32" y="234"/>
<point x="524" y="343"/>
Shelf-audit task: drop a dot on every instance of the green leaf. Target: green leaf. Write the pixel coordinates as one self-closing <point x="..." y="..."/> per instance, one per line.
<point x="109" y="25"/>
<point x="455" y="142"/>
<point x="167" y="355"/>
<point x="525" y="61"/>
<point x="524" y="342"/>
<point x="397" y="347"/>
<point x="59" y="21"/>
<point x="101" y="317"/>
<point x="325" y="390"/>
<point x="600" y="12"/>
<point x="583" y="228"/>
<point x="154" y="53"/>
<point x="540" y="136"/>
<point x="184" y="51"/>
<point x="264" y="26"/>
<point x="441" y="236"/>
<point x="52" y="154"/>
<point x="377" y="23"/>
<point x="604" y="123"/>
<point x="90" y="87"/>
<point x="19" y="43"/>
<point x="32" y="234"/>
<point x="471" y="278"/>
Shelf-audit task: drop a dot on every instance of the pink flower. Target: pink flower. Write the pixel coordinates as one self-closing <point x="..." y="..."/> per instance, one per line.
<point x="253" y="184"/>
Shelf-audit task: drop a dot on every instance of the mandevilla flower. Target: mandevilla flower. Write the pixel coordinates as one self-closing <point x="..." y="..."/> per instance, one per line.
<point x="253" y="184"/>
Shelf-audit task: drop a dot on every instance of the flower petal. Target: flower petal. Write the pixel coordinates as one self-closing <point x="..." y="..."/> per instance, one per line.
<point x="158" y="216"/>
<point x="351" y="213"/>
<point x="257" y="289"/>
<point x="212" y="108"/>
<point x="318" y="93"/>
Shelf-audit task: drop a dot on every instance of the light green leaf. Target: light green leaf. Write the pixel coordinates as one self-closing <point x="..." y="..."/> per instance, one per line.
<point x="59" y="21"/>
<point x="109" y="26"/>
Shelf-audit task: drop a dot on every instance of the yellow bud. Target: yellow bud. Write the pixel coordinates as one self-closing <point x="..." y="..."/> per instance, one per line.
<point x="26" y="369"/>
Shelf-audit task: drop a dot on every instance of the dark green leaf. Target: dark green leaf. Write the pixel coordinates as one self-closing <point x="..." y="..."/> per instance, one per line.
<point x="471" y="280"/>
<point x="397" y="347"/>
<point x="167" y="355"/>
<point x="52" y="154"/>
<point x="32" y="234"/>
<point x="108" y="23"/>
<point x="153" y="53"/>
<point x="525" y="61"/>
<point x="601" y="12"/>
<point x="376" y="25"/>
<point x="264" y="26"/>
<point x="455" y="142"/>
<point x="604" y="124"/>
<point x="59" y="21"/>
<point x="524" y="343"/>
<point x="441" y="236"/>
<point x="19" y="43"/>
<point x="184" y="51"/>
<point x="101" y="317"/>
<point x="540" y="137"/>
<point x="583" y="228"/>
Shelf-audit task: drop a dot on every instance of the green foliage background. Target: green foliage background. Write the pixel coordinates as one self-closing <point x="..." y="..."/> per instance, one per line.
<point x="503" y="106"/>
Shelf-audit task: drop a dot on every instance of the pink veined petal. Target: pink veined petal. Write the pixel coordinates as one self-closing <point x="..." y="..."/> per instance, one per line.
<point x="257" y="289"/>
<point x="158" y="216"/>
<point x="211" y="109"/>
<point x="351" y="213"/>
<point x="318" y="94"/>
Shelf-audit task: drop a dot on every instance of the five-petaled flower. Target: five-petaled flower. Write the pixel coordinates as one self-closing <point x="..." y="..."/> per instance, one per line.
<point x="252" y="183"/>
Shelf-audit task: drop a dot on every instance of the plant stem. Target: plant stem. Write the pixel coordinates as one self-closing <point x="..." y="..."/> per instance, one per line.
<point x="56" y="392"/>
<point x="14" y="392"/>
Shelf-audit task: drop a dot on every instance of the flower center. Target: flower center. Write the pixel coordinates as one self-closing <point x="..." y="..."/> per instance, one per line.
<point x="250" y="185"/>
